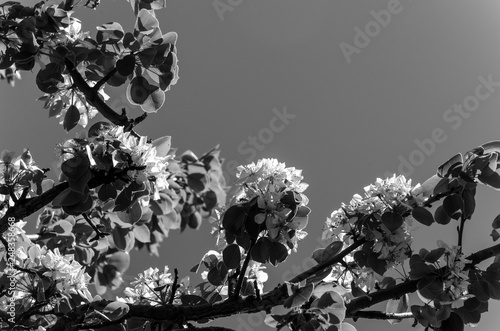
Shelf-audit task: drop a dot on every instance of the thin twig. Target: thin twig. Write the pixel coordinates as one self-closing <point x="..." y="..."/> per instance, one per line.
<point x="174" y="287"/>
<point x="243" y="270"/>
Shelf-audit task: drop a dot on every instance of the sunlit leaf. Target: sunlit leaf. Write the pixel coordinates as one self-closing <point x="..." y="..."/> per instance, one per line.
<point x="299" y="297"/>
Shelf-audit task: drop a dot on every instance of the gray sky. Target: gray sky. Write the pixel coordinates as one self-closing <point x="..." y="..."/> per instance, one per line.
<point x="358" y="104"/>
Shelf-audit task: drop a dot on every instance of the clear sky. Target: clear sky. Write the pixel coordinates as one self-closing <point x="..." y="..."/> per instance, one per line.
<point x="298" y="81"/>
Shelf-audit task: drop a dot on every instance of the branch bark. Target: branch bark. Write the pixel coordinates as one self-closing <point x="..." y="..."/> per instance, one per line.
<point x="93" y="98"/>
<point x="29" y="206"/>
<point x="204" y="313"/>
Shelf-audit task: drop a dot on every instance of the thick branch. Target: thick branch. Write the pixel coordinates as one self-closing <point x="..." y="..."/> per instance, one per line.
<point x="29" y="206"/>
<point x="221" y="309"/>
<point x="379" y="315"/>
<point x="411" y="285"/>
<point x="92" y="96"/>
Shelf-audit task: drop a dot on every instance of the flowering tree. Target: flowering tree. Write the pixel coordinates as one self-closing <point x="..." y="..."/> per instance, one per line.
<point x="119" y="190"/>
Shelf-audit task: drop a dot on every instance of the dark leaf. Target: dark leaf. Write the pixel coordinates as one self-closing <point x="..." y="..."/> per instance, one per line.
<point x="453" y="323"/>
<point x="392" y="220"/>
<point x="126" y="65"/>
<point x="48" y="78"/>
<point x="441" y="216"/>
<point x="422" y="215"/>
<point x="445" y="169"/>
<point x="234" y="219"/>
<point x="71" y="118"/>
<point x="260" y="251"/>
<point x="277" y="253"/>
<point x="107" y="191"/>
<point x="231" y="256"/>
<point x="453" y="205"/>
<point x="378" y="265"/>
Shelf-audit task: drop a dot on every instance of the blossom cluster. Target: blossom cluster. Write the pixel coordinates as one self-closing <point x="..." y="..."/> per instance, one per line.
<point x="154" y="288"/>
<point x="17" y="174"/>
<point x="39" y="267"/>
<point x="457" y="281"/>
<point x="384" y="195"/>
<point x="270" y="181"/>
<point x="151" y="163"/>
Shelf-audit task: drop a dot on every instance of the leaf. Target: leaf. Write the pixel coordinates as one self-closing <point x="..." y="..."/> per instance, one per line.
<point x="481" y="290"/>
<point x="163" y="206"/>
<point x="123" y="200"/>
<point x="109" y="33"/>
<point x="299" y="297"/>
<point x="154" y="101"/>
<point x="71" y="118"/>
<point x="494" y="235"/>
<point x="441" y="216"/>
<point x="55" y="108"/>
<point x="392" y="220"/>
<point x="217" y="274"/>
<point x="138" y="90"/>
<point x="422" y="215"/>
<point x="115" y="310"/>
<point x="260" y="251"/>
<point x="430" y="287"/>
<point x="496" y="222"/>
<point x="322" y="254"/>
<point x="397" y="306"/>
<point x="453" y="205"/>
<point x="277" y="253"/>
<point x="48" y="78"/>
<point x="231" y="256"/>
<point x="468" y="196"/>
<point x="434" y="255"/>
<point x="146" y="22"/>
<point x="123" y="238"/>
<point x="146" y="56"/>
<point x="162" y="146"/>
<point x="121" y="260"/>
<point x="106" y="192"/>
<point x="99" y="128"/>
<point x="62" y="227"/>
<point x="453" y="323"/>
<point x="446" y="168"/>
<point x="418" y="268"/>
<point x="234" y="219"/>
<point x="493" y="180"/>
<point x="141" y="233"/>
<point x="126" y="65"/>
<point x="378" y="265"/>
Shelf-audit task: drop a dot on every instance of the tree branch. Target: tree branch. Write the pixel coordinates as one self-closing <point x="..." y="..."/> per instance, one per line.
<point x="94" y="98"/>
<point x="379" y="315"/>
<point x="243" y="270"/>
<point x="29" y="206"/>
<point x="333" y="260"/>
<point x="410" y="286"/>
